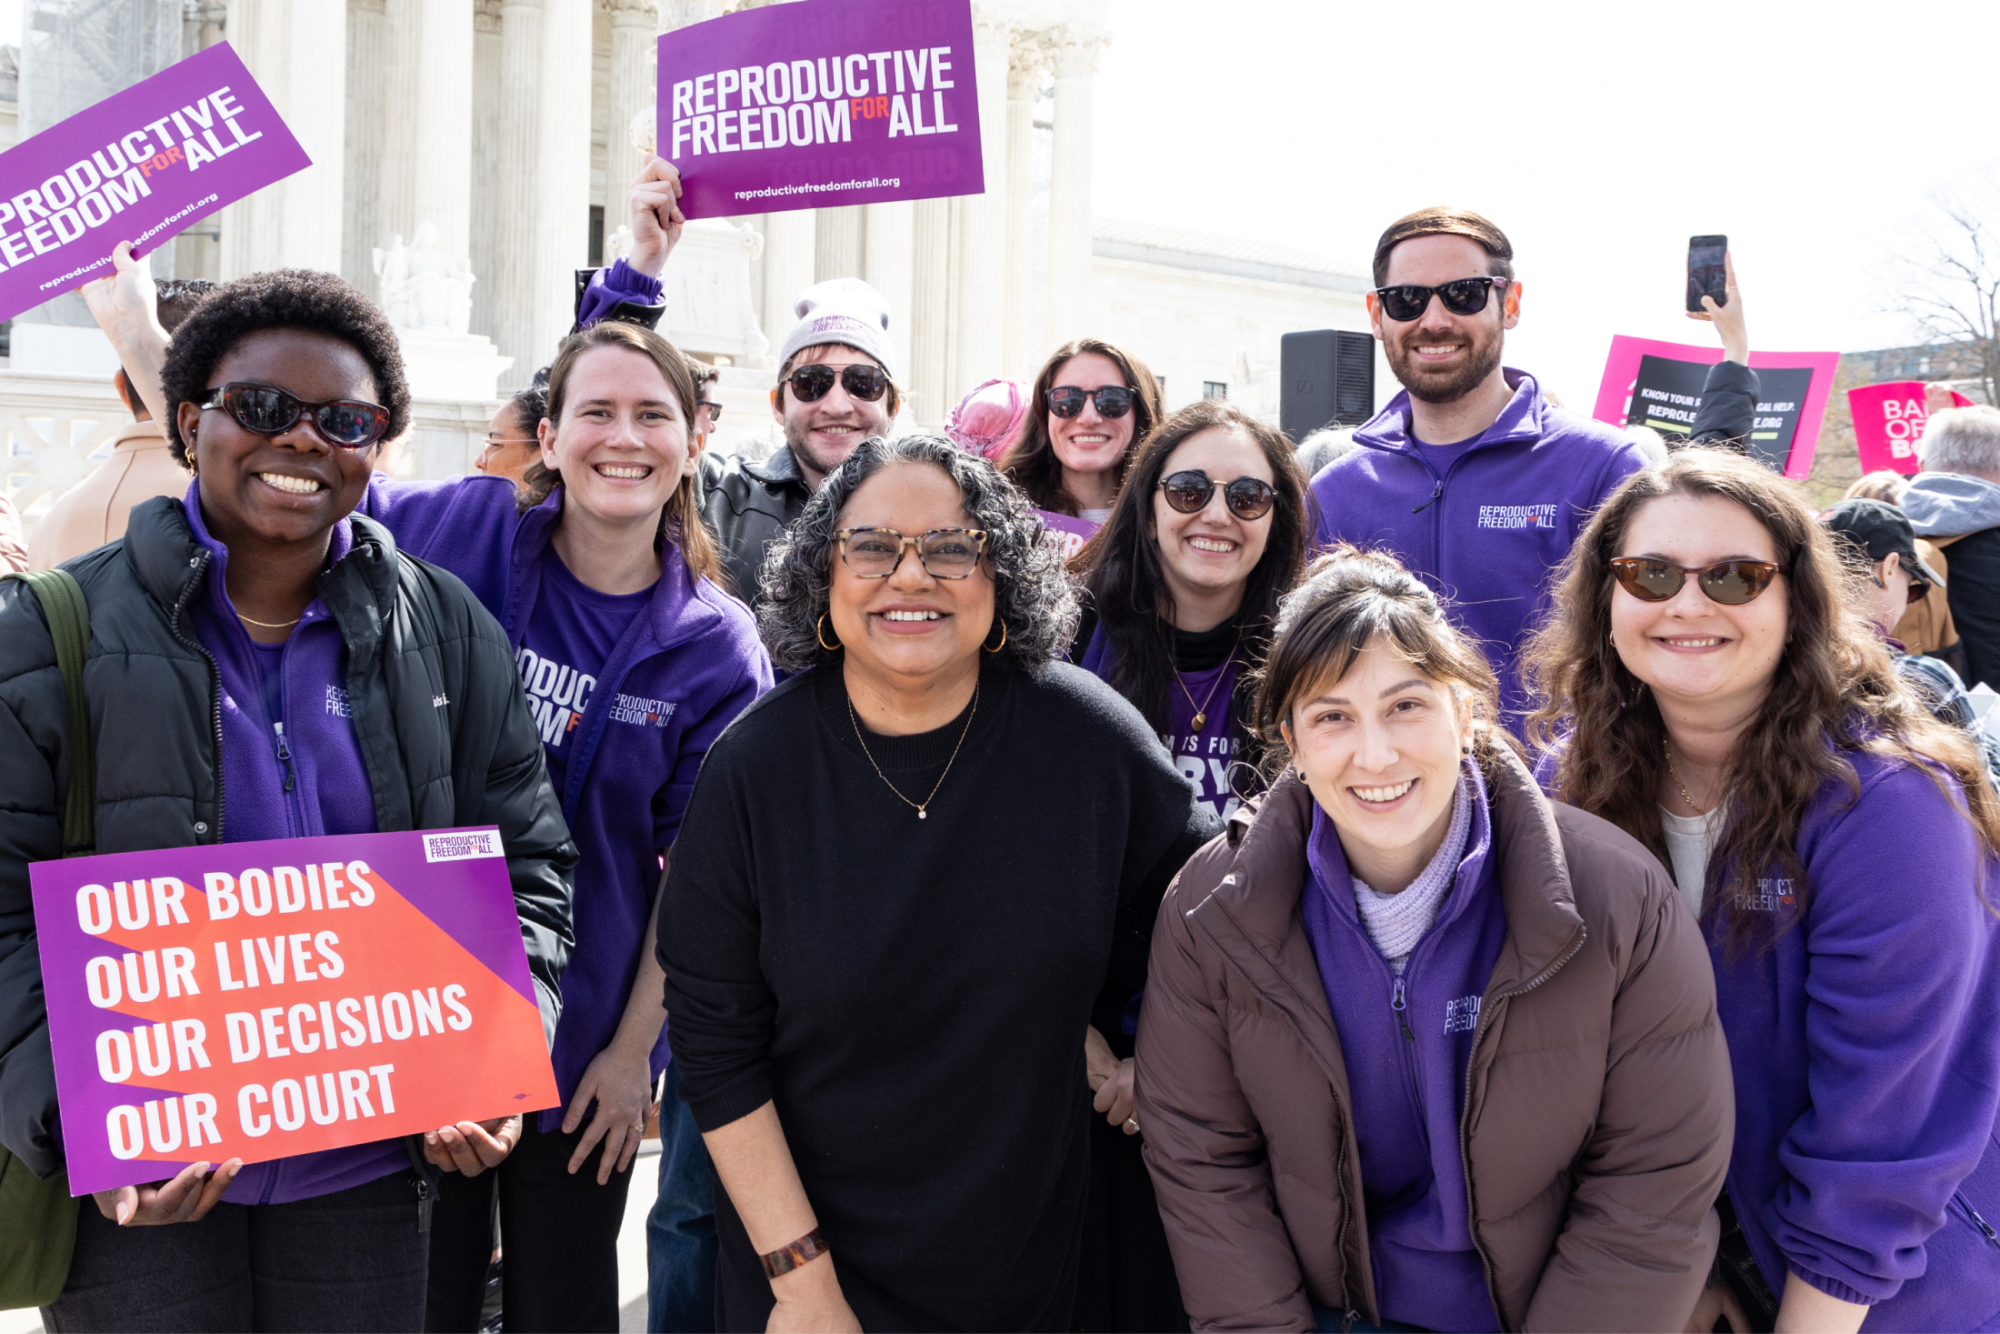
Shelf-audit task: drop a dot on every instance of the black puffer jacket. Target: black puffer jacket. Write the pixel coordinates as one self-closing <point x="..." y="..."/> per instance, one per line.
<point x="413" y="633"/>
<point x="746" y="504"/>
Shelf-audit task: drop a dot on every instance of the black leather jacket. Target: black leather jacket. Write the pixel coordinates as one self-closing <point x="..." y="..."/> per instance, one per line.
<point x="412" y="632"/>
<point x="746" y="505"/>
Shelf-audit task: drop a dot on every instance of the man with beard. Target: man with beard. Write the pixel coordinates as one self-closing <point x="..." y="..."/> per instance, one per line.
<point x="1471" y="475"/>
<point x="835" y="389"/>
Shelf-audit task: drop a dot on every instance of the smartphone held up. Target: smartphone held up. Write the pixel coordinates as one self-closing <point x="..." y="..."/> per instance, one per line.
<point x="1708" y="274"/>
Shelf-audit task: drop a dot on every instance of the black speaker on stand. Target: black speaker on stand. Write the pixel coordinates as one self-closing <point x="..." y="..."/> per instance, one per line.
<point x="1328" y="380"/>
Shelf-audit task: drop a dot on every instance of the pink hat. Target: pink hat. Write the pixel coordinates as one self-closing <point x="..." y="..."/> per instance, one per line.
<point x="987" y="420"/>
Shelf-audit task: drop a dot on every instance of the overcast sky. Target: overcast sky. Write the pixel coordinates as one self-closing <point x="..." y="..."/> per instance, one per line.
<point x="1598" y="136"/>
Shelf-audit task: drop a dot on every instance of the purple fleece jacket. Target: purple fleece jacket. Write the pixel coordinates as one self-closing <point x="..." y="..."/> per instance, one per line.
<point x="684" y="669"/>
<point x="1406" y="1042"/>
<point x="317" y="784"/>
<point x="1866" y="1049"/>
<point x="1488" y="527"/>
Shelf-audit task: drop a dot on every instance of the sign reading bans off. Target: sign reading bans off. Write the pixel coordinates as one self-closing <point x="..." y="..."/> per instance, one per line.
<point x="820" y="104"/>
<point x="142" y="166"/>
<point x="261" y="1000"/>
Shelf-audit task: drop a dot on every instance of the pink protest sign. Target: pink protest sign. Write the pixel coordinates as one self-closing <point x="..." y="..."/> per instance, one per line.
<point x="820" y="104"/>
<point x="1889" y="419"/>
<point x="1656" y="384"/>
<point x="262" y="1000"/>
<point x="140" y="166"/>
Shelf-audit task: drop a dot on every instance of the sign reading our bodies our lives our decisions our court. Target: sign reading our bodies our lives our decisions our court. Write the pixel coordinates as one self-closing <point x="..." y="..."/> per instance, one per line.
<point x="261" y="1000"/>
<point x="820" y="104"/>
<point x="142" y="166"/>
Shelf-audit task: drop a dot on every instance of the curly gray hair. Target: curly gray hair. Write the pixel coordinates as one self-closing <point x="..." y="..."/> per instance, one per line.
<point x="1032" y="592"/>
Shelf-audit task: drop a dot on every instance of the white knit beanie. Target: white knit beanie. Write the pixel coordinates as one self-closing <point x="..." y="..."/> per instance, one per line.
<point x="843" y="310"/>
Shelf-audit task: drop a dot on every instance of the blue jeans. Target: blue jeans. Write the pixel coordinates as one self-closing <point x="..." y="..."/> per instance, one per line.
<point x="1328" y="1321"/>
<point x="680" y="1230"/>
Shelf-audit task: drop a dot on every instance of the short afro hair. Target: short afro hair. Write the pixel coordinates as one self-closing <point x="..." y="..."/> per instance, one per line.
<point x="281" y="299"/>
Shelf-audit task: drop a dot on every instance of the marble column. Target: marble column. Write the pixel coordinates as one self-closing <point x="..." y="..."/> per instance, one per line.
<point x="367" y="89"/>
<point x="562" y="172"/>
<point x="1075" y="57"/>
<point x="430" y="94"/>
<point x="516" y="201"/>
<point x="789" y="244"/>
<point x="889" y="233"/>
<point x="487" y="95"/>
<point x="980" y="287"/>
<point x="635" y="26"/>
<point x="928" y="354"/>
<point x="298" y="55"/>
<point x="1027" y="57"/>
<point x="839" y="243"/>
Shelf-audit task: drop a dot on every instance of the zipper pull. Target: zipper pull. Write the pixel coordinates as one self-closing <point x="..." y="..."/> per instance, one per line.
<point x="1400" y="1006"/>
<point x="423" y="1205"/>
<point x="1436" y="491"/>
<point x="285" y="756"/>
<point x="1991" y="1238"/>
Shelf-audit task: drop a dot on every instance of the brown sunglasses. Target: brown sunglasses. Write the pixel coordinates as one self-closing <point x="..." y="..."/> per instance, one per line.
<point x="1731" y="583"/>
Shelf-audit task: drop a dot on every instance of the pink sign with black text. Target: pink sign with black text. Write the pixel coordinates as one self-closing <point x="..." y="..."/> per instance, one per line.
<point x="1657" y="384"/>
<point x="1889" y="419"/>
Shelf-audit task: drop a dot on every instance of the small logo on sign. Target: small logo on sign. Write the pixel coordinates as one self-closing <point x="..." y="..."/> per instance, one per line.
<point x="462" y="847"/>
<point x="1461" y="1015"/>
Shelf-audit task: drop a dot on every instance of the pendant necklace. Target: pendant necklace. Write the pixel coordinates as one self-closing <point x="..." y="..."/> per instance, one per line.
<point x="1200" y="718"/>
<point x="1668" y="750"/>
<point x="922" y="811"/>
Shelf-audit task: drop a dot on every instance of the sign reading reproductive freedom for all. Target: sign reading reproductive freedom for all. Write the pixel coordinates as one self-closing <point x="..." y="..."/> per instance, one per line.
<point x="259" y="1000"/>
<point x="140" y="166"/>
<point x="819" y="104"/>
<point x="1650" y="383"/>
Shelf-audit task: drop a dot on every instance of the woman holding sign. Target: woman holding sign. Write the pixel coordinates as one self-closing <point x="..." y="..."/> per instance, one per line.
<point x="264" y="664"/>
<point x="1091" y="403"/>
<point x="1181" y="588"/>
<point x="878" y="984"/>
<point x="1723" y="701"/>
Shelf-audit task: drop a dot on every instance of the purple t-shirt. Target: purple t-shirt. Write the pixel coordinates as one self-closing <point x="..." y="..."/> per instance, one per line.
<point x="1205" y="753"/>
<point x="571" y="634"/>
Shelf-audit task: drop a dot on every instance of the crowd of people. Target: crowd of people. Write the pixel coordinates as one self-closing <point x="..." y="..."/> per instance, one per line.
<point x="1087" y="870"/>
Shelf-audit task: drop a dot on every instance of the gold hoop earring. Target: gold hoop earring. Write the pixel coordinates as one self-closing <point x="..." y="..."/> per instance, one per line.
<point x="819" y="633"/>
<point x="995" y="648"/>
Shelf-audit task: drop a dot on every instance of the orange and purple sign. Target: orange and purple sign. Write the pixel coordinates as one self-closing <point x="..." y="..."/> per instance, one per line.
<point x="260" y="1000"/>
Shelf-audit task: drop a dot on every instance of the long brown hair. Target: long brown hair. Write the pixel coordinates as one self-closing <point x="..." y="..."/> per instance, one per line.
<point x="1835" y="691"/>
<point x="1032" y="464"/>
<point x="680" y="517"/>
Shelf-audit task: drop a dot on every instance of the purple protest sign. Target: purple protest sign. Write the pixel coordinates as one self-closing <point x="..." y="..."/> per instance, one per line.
<point x="142" y="166"/>
<point x="820" y="104"/>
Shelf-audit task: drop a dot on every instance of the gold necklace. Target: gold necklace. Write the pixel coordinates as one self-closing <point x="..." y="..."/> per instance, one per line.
<point x="922" y="812"/>
<point x="1668" y="751"/>
<point x="271" y="625"/>
<point x="1201" y="710"/>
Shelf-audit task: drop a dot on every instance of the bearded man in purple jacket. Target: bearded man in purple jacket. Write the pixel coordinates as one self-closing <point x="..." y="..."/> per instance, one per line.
<point x="1471" y="476"/>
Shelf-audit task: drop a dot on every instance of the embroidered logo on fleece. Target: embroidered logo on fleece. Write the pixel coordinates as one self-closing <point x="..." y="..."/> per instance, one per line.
<point x="336" y="702"/>
<point x="1517" y="516"/>
<point x="642" y="712"/>
<point x="1461" y="1015"/>
<point x="1771" y="896"/>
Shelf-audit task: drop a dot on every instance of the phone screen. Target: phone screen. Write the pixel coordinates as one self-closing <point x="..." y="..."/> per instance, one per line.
<point x="1706" y="274"/>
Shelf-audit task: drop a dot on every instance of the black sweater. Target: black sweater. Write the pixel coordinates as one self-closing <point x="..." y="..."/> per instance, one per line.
<point x="913" y="993"/>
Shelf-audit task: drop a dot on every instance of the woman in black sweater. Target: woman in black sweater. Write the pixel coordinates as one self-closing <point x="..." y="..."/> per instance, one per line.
<point x="906" y="871"/>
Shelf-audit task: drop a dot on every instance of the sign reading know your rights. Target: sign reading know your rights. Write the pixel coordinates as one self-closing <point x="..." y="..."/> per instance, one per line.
<point x="142" y="166"/>
<point x="1656" y="384"/>
<point x="820" y="104"/>
<point x="260" y="1000"/>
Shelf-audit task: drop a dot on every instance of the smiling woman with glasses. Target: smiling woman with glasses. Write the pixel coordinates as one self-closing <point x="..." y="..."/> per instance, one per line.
<point x="1091" y="404"/>
<point x="912" y="876"/>
<point x="264" y="663"/>
<point x="1713" y="687"/>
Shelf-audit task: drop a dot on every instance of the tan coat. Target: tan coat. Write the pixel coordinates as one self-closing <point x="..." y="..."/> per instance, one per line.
<point x="93" y="511"/>
<point x="1927" y="626"/>
<point x="1599" y="1111"/>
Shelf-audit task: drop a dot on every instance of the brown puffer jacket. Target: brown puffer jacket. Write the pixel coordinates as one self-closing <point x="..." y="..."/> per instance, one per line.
<point x="1598" y="1112"/>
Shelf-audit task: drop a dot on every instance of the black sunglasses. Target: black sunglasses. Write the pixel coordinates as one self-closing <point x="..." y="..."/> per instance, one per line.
<point x="1731" y="583"/>
<point x="1247" y="497"/>
<point x="1465" y="296"/>
<point x="1113" y="400"/>
<point x="714" y="409"/>
<point x="812" y="383"/>
<point x="263" y="409"/>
